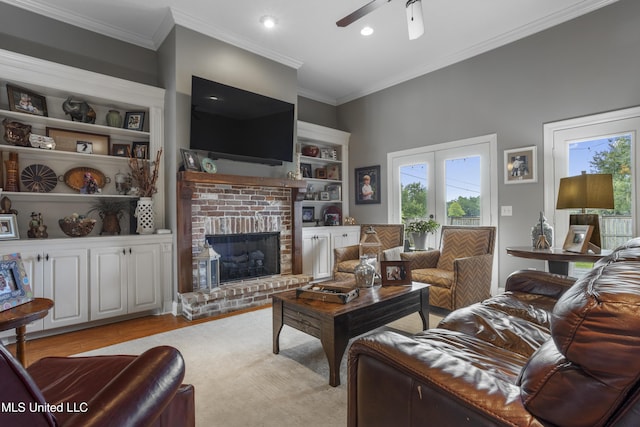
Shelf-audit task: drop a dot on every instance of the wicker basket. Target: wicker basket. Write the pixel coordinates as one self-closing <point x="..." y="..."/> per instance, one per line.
<point x="79" y="228"/>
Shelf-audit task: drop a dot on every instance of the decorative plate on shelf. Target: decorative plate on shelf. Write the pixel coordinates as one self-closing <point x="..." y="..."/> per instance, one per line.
<point x="74" y="178"/>
<point x="208" y="166"/>
<point x="39" y="178"/>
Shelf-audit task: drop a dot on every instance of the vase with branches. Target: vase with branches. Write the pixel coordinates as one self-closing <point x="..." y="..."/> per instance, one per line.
<point x="145" y="176"/>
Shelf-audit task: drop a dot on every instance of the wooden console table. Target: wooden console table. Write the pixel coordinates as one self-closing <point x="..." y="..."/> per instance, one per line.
<point x="19" y="317"/>
<point x="557" y="258"/>
<point x="334" y="324"/>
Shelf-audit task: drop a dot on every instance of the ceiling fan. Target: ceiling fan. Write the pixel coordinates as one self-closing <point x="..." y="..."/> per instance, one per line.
<point x="414" y="16"/>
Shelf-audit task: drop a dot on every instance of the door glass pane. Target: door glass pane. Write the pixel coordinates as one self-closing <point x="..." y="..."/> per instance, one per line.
<point x="413" y="181"/>
<point x="608" y="155"/>
<point x="462" y="177"/>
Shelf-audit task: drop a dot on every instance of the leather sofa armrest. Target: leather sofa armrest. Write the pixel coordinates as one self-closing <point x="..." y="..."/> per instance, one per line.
<point x="421" y="259"/>
<point x="138" y="394"/>
<point x="472" y="279"/>
<point x="539" y="282"/>
<point x="346" y="253"/>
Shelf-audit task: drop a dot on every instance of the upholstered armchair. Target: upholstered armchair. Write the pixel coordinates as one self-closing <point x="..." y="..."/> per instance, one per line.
<point x="346" y="258"/>
<point x="460" y="271"/>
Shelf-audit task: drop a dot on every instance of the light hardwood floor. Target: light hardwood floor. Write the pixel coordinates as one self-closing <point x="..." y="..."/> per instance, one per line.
<point x="102" y="336"/>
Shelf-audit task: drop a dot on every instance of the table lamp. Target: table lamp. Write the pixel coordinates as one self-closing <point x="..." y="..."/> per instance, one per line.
<point x="586" y="191"/>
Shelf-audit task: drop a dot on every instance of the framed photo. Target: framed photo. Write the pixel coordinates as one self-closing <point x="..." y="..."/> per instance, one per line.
<point x="85" y="147"/>
<point x="520" y="165"/>
<point x="331" y="219"/>
<point x="25" y="101"/>
<point x="134" y="120"/>
<point x="333" y="172"/>
<point x="14" y="283"/>
<point x="324" y="195"/>
<point x="69" y="140"/>
<point x="120" y="150"/>
<point x="308" y="213"/>
<point x="335" y="191"/>
<point x="395" y="273"/>
<point x="367" y="181"/>
<point x="140" y="150"/>
<point x="321" y="173"/>
<point x="9" y="227"/>
<point x="305" y="170"/>
<point x="578" y="238"/>
<point x="190" y="159"/>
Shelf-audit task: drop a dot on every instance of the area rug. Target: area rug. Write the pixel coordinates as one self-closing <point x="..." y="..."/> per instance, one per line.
<point x="240" y="382"/>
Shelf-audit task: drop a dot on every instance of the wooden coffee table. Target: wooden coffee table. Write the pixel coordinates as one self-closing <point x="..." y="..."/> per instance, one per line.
<point x="334" y="324"/>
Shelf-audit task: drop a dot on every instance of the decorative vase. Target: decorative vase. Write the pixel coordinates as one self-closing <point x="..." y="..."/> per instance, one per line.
<point x="542" y="228"/>
<point x="110" y="223"/>
<point x="12" y="176"/>
<point x="365" y="273"/>
<point x="144" y="215"/>
<point x="419" y="241"/>
<point x="114" y="119"/>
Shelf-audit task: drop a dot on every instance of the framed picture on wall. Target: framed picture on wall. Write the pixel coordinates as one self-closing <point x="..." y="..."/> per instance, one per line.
<point x="367" y="181"/>
<point x="520" y="165"/>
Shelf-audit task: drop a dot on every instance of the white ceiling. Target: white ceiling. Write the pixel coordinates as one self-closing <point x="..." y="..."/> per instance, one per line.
<point x="335" y="65"/>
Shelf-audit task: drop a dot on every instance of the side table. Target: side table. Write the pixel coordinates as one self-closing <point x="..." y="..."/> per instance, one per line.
<point x="20" y="316"/>
<point x="557" y="258"/>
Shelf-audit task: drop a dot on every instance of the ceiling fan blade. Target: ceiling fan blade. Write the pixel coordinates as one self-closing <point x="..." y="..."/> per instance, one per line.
<point x="364" y="10"/>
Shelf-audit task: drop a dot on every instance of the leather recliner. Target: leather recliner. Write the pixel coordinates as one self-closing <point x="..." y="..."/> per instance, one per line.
<point x="97" y="391"/>
<point x="550" y="351"/>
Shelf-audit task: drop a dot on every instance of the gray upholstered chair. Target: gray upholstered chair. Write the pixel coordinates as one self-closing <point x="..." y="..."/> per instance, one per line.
<point x="460" y="271"/>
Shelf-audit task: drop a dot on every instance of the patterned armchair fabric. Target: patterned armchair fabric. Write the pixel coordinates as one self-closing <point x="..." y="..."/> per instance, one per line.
<point x="345" y="259"/>
<point x="460" y="272"/>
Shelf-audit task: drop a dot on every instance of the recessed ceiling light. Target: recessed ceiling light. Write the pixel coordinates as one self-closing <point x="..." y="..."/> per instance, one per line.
<point x="268" y="21"/>
<point x="366" y="31"/>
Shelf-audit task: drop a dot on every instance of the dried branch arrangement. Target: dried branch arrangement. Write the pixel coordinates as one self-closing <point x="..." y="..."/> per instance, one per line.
<point x="143" y="177"/>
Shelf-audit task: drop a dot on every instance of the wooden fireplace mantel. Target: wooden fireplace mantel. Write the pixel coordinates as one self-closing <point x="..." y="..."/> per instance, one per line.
<point x="186" y="184"/>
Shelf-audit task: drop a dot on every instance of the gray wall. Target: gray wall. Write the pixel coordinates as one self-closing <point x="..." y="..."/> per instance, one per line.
<point x="586" y="66"/>
<point x="317" y="112"/>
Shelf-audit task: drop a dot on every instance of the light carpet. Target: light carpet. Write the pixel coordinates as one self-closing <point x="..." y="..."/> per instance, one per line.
<point x="240" y="382"/>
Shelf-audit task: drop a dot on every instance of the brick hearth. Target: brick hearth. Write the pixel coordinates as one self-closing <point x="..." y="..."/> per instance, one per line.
<point x="238" y="295"/>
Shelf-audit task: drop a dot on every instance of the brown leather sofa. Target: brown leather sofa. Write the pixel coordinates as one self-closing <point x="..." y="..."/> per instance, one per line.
<point x="550" y="351"/>
<point x="103" y="391"/>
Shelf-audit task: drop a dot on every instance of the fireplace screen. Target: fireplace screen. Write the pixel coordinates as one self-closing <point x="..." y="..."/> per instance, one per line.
<point x="246" y="255"/>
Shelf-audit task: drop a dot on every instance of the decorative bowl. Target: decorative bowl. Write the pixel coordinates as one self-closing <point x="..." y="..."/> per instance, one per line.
<point x="310" y="151"/>
<point x="76" y="227"/>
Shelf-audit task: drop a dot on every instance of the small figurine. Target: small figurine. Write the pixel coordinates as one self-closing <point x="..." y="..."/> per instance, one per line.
<point x="37" y="229"/>
<point x="5" y="206"/>
<point x="90" y="184"/>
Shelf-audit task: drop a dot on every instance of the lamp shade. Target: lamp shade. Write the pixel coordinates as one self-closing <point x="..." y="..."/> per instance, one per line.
<point x="594" y="191"/>
<point x="415" y="22"/>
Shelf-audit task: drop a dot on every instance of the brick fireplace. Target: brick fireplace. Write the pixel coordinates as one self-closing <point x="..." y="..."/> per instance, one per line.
<point x="217" y="204"/>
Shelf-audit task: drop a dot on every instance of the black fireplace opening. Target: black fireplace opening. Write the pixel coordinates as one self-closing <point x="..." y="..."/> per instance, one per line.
<point x="246" y="255"/>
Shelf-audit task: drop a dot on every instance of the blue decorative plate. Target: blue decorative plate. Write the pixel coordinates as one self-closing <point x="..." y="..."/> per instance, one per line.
<point x="207" y="165"/>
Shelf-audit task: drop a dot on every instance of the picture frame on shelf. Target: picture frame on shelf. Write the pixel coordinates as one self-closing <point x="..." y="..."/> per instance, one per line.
<point x="190" y="159"/>
<point x="140" y="150"/>
<point x="520" y="165"/>
<point x="305" y="170"/>
<point x="9" y="227"/>
<point x="335" y="191"/>
<point x="324" y="196"/>
<point x="577" y="239"/>
<point x="367" y="182"/>
<point x="134" y="120"/>
<point x="321" y="173"/>
<point x="395" y="273"/>
<point x="68" y="140"/>
<point x="120" y="150"/>
<point x="85" y="147"/>
<point x="308" y="213"/>
<point x="15" y="288"/>
<point x="25" y="101"/>
<point x="333" y="172"/>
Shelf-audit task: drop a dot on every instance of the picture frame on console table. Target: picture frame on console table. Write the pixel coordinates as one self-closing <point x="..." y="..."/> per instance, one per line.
<point x="577" y="239"/>
<point x="395" y="273"/>
<point x="14" y="282"/>
<point x="520" y="165"/>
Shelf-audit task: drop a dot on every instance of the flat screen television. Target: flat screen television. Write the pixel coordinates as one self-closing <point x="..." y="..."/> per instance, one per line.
<point x="232" y="123"/>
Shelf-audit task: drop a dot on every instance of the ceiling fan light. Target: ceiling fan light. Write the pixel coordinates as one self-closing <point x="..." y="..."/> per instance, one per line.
<point x="415" y="22"/>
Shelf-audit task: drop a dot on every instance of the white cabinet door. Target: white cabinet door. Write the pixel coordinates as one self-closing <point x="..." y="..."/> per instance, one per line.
<point x="345" y="236"/>
<point x="316" y="254"/>
<point x="108" y="282"/>
<point x="145" y="286"/>
<point x="66" y="283"/>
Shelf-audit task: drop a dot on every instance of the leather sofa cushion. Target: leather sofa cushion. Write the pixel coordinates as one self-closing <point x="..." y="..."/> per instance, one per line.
<point x="433" y="276"/>
<point x="462" y="243"/>
<point x="602" y="307"/>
